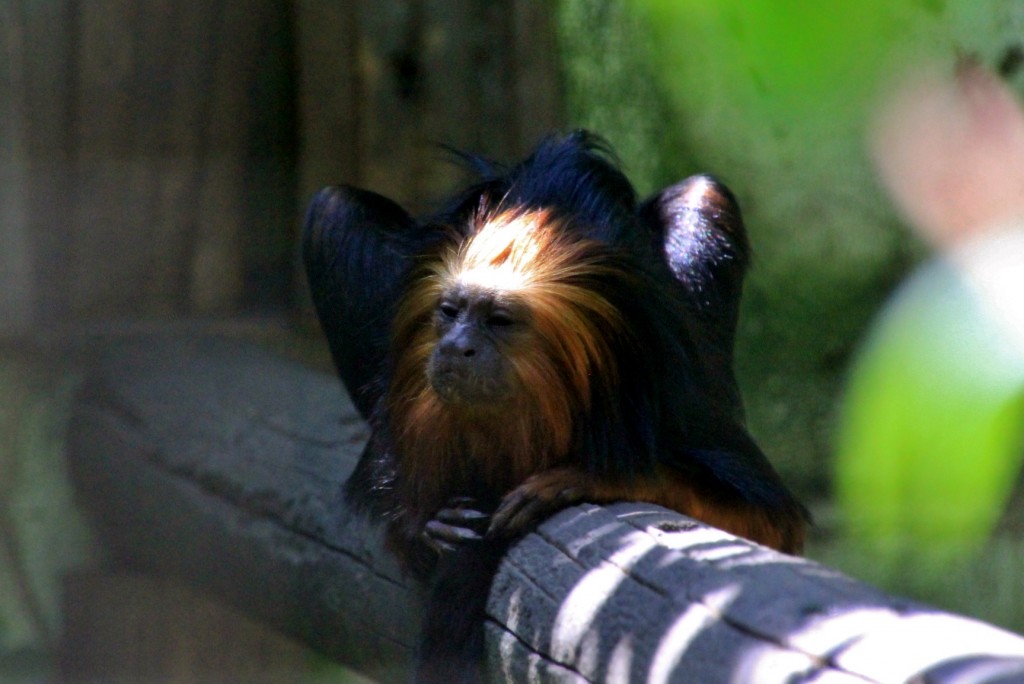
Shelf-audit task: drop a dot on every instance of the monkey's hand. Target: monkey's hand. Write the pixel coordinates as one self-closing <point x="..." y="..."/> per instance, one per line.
<point x="457" y="525"/>
<point x="537" y="498"/>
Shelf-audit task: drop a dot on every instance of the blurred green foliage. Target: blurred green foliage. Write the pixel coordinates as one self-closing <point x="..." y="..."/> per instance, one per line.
<point x="801" y="57"/>
<point x="679" y="87"/>
<point x="775" y="97"/>
<point x="41" y="533"/>
<point x="933" y="434"/>
<point x="612" y="87"/>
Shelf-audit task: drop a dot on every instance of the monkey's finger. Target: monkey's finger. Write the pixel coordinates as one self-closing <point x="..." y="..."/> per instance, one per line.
<point x="449" y="536"/>
<point x="439" y="546"/>
<point x="522" y="510"/>
<point x="506" y="511"/>
<point x="535" y="510"/>
<point x="524" y="517"/>
<point x="467" y="518"/>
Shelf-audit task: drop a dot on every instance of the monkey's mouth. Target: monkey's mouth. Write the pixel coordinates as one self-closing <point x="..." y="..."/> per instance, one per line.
<point x="456" y="384"/>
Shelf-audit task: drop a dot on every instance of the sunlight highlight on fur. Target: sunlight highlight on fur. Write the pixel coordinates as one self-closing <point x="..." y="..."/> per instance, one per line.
<point x="523" y="255"/>
<point x="503" y="255"/>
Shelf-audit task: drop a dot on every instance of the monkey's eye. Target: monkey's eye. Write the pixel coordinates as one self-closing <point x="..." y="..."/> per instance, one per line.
<point x="448" y="310"/>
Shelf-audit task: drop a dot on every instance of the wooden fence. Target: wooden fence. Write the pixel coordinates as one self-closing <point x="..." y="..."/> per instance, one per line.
<point x="157" y="155"/>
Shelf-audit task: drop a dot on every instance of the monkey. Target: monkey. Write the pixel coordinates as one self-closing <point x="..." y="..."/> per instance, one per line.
<point x="541" y="339"/>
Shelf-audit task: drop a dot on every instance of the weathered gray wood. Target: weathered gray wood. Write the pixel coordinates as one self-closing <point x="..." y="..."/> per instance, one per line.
<point x="632" y="593"/>
<point x="213" y="461"/>
<point x="217" y="463"/>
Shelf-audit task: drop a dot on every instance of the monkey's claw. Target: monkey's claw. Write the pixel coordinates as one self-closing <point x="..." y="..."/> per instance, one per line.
<point x="534" y="500"/>
<point x="455" y="526"/>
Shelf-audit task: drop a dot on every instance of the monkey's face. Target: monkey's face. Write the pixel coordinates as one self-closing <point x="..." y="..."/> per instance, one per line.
<point x="474" y="325"/>
<point x="510" y="319"/>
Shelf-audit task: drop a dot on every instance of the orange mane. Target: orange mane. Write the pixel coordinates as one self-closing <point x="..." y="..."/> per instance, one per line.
<point x="521" y="256"/>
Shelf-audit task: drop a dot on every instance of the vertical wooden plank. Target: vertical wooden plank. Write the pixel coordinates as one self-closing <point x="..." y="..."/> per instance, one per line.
<point x="243" y="230"/>
<point x="450" y="103"/>
<point x="215" y="232"/>
<point x="538" y="81"/>
<point x="452" y="63"/>
<point x="327" y="40"/>
<point x="150" y="102"/>
<point x="185" y="161"/>
<point x="499" y="109"/>
<point x="171" y="106"/>
<point x="328" y="35"/>
<point x="389" y="71"/>
<point x="110" y="237"/>
<point x="16" y="286"/>
<point x="49" y="51"/>
<point x="271" y="162"/>
<point x="35" y="44"/>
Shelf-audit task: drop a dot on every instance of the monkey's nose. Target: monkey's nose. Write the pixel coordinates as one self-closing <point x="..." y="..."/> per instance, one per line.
<point x="458" y="348"/>
<point x="458" y="343"/>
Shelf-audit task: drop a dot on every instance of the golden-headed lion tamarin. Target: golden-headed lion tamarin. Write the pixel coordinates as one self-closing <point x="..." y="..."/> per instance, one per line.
<point x="543" y="339"/>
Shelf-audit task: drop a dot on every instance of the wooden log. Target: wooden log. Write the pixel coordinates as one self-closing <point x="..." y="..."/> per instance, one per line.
<point x="217" y="463"/>
<point x="213" y="462"/>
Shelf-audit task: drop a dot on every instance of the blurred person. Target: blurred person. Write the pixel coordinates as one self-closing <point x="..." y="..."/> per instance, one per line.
<point x="931" y="433"/>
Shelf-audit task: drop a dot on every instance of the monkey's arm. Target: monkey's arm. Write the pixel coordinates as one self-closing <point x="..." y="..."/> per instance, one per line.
<point x="357" y="247"/>
<point x="419" y="545"/>
<point x="771" y="517"/>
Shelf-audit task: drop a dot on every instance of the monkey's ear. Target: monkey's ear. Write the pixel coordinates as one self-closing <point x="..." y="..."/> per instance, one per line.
<point x="696" y="227"/>
<point x="357" y="247"/>
<point x="699" y="229"/>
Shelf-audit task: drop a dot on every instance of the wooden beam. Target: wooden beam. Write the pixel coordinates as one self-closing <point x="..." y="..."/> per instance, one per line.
<point x="217" y="463"/>
<point x="220" y="464"/>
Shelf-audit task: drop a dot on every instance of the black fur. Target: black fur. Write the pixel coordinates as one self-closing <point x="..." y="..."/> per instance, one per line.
<point x="676" y="403"/>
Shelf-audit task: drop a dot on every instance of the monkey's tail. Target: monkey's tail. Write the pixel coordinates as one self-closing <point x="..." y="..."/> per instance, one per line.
<point x="451" y="649"/>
